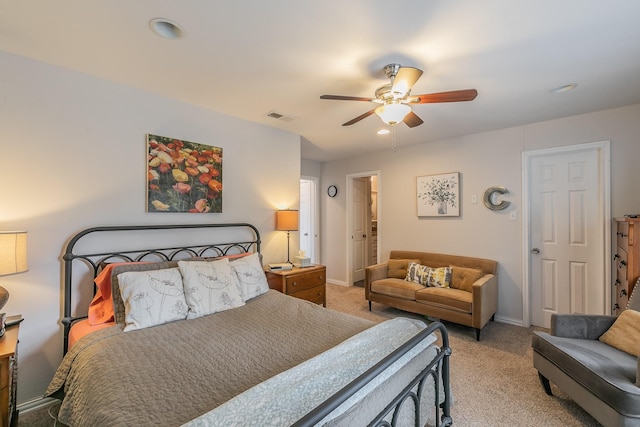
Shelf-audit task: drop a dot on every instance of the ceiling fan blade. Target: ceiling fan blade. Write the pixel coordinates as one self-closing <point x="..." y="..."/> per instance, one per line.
<point x="360" y="117"/>
<point x="412" y="120"/>
<point x="345" y="98"/>
<point x="452" y="96"/>
<point x="405" y="79"/>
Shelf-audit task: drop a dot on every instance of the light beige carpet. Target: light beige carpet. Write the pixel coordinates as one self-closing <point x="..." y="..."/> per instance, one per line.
<point x="493" y="381"/>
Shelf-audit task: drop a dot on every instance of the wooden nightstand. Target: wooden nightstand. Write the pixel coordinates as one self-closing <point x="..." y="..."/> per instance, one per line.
<point x="8" y="376"/>
<point x="305" y="283"/>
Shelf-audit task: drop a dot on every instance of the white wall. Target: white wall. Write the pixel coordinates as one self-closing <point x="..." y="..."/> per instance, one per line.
<point x="74" y="155"/>
<point x="484" y="160"/>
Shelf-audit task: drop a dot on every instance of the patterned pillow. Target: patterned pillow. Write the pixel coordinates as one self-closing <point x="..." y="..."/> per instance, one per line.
<point x="250" y="276"/>
<point x="209" y="287"/>
<point x="118" y="304"/>
<point x="439" y="277"/>
<point x="152" y="297"/>
<point x="418" y="273"/>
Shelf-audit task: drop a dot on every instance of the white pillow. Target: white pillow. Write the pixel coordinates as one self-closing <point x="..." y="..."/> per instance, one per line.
<point x="209" y="287"/>
<point x="152" y="297"/>
<point x="250" y="275"/>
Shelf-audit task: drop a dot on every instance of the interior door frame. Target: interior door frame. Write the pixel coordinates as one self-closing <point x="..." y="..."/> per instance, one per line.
<point x="604" y="149"/>
<point x="349" y="200"/>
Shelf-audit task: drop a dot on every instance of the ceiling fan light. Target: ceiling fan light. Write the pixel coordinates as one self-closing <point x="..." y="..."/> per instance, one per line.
<point x="392" y="113"/>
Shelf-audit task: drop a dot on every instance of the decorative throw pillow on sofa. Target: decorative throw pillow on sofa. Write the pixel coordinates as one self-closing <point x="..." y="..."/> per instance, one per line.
<point x="439" y="277"/>
<point x="397" y="268"/>
<point x="463" y="278"/>
<point x="417" y="273"/>
<point x="624" y="334"/>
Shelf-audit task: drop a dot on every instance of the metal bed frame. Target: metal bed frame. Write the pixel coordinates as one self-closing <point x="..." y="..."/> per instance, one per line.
<point x="437" y="369"/>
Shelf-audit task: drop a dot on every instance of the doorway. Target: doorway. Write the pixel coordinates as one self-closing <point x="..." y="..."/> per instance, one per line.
<point x="309" y="242"/>
<point x="567" y="232"/>
<point x="363" y="224"/>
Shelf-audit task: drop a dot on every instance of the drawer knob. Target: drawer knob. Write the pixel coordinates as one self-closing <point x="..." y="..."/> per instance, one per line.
<point x="623" y="263"/>
<point x="294" y="283"/>
<point x="623" y="293"/>
<point x="616" y="256"/>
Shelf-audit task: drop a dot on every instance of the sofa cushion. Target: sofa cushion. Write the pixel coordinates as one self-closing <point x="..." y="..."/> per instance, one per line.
<point x="624" y="334"/>
<point x="464" y="278"/>
<point x="398" y="288"/>
<point x="446" y="297"/>
<point x="397" y="268"/>
<point x="605" y="371"/>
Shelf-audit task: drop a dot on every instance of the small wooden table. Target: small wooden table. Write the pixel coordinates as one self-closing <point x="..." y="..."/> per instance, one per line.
<point x="308" y="283"/>
<point x="8" y="376"/>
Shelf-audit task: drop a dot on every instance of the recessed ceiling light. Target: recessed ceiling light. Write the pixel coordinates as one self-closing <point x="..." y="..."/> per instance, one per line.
<point x="165" y="28"/>
<point x="564" y="88"/>
<point x="383" y="132"/>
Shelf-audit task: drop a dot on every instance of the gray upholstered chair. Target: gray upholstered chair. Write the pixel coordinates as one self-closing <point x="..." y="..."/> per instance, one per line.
<point x="604" y="381"/>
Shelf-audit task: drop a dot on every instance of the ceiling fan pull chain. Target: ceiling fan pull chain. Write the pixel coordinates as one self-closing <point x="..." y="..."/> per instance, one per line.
<point x="393" y="137"/>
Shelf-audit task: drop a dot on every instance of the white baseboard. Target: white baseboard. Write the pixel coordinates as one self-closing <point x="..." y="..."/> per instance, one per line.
<point x="508" y="320"/>
<point x="35" y="404"/>
<point x="337" y="282"/>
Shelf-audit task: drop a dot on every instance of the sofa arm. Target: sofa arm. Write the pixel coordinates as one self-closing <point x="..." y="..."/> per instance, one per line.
<point x="373" y="273"/>
<point x="580" y="326"/>
<point x="485" y="299"/>
<point x="638" y="373"/>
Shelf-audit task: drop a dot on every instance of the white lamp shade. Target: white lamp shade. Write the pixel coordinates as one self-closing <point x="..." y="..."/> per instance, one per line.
<point x="287" y="220"/>
<point x="393" y="113"/>
<point x="13" y="252"/>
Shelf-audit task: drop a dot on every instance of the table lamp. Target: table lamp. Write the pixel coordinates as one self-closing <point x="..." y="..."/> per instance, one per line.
<point x="287" y="220"/>
<point x="13" y="257"/>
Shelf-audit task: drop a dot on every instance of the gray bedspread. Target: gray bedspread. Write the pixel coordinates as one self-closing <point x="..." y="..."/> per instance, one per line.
<point x="169" y="374"/>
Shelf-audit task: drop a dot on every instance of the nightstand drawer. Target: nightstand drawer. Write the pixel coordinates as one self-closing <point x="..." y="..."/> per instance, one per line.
<point x="300" y="282"/>
<point x="307" y="283"/>
<point x="316" y="295"/>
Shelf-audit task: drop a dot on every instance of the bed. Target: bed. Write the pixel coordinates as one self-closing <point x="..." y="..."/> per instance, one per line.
<point x="233" y="354"/>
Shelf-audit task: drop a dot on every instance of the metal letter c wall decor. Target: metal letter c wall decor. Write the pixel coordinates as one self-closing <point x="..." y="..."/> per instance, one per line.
<point x="488" y="198"/>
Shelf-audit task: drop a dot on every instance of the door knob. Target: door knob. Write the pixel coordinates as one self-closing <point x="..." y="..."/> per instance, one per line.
<point x="535" y="251"/>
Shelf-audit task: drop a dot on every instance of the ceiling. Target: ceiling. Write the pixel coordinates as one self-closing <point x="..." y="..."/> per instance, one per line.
<point x="248" y="58"/>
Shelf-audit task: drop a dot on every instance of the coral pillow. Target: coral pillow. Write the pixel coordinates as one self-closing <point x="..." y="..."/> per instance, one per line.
<point x="624" y="334"/>
<point x="101" y="306"/>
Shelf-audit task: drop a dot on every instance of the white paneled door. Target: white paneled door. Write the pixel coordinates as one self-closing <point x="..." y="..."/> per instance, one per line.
<point x="359" y="223"/>
<point x="567" y="237"/>
<point x="308" y="233"/>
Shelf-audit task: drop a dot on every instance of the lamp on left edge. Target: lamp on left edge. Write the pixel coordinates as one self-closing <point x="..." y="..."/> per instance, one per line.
<point x="13" y="257"/>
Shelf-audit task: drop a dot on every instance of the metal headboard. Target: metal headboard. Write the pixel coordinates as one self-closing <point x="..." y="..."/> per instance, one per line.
<point x="164" y="253"/>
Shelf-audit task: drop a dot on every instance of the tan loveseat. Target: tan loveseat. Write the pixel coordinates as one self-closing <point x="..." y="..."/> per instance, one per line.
<point x="471" y="299"/>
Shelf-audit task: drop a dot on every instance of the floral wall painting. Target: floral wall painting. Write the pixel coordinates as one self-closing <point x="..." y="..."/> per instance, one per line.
<point x="183" y="176"/>
<point x="439" y="195"/>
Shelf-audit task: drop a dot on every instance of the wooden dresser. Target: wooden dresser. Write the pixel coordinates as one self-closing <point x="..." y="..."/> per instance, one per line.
<point x="307" y="283"/>
<point x="626" y="261"/>
<point x="8" y="376"/>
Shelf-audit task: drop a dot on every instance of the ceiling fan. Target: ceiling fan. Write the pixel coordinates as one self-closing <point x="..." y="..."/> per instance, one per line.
<point x="394" y="97"/>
